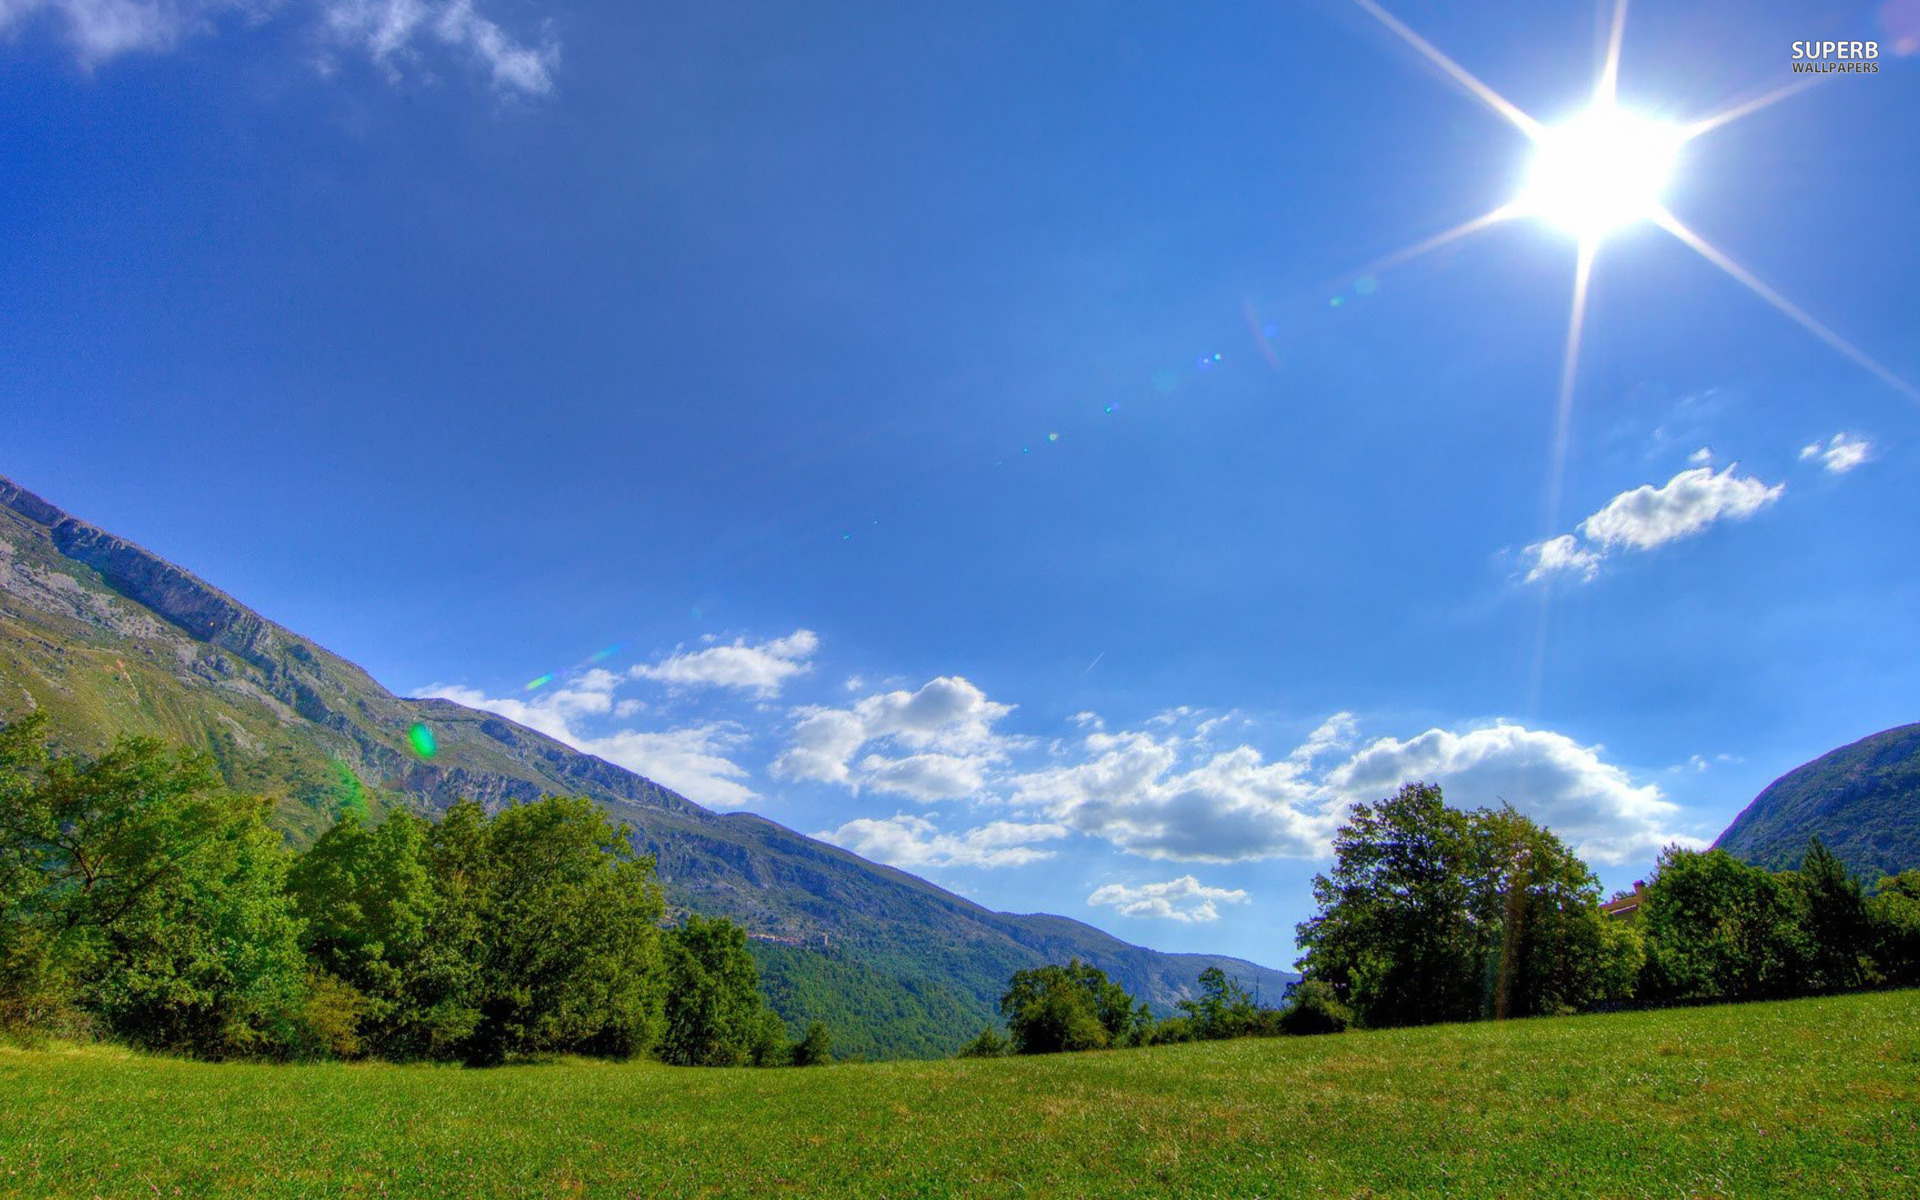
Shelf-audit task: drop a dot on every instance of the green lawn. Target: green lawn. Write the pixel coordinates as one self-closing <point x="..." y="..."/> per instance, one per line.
<point x="1805" y="1098"/>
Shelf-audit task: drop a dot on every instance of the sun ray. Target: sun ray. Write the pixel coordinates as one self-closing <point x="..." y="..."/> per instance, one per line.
<point x="1667" y="221"/>
<point x="1610" y="70"/>
<point x="1569" y="375"/>
<point x="1694" y="129"/>
<point x="1485" y="220"/>
<point x="1459" y="74"/>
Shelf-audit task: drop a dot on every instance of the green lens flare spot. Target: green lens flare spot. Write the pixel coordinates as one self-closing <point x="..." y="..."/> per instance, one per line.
<point x="421" y="739"/>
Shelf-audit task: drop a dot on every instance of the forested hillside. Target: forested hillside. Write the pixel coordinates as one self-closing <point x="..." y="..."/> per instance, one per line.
<point x="109" y="639"/>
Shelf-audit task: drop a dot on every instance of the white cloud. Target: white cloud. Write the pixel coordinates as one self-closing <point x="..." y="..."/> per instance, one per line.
<point x="1593" y="804"/>
<point x="1132" y="791"/>
<point x="905" y="840"/>
<point x="1185" y="899"/>
<point x="1648" y="516"/>
<point x="394" y="33"/>
<point x="1701" y="457"/>
<point x="947" y="715"/>
<point x="1685" y="505"/>
<point x="924" y="777"/>
<point x="690" y="759"/>
<point x="1840" y="453"/>
<point x="1561" y="555"/>
<point x="762" y="669"/>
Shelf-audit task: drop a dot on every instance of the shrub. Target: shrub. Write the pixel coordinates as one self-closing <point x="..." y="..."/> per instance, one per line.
<point x="1315" y="1008"/>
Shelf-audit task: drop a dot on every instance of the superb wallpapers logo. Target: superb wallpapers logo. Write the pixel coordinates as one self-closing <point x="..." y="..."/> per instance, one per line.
<point x="1836" y="58"/>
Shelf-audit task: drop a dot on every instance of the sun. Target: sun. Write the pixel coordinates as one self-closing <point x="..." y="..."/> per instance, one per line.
<point x="1601" y="171"/>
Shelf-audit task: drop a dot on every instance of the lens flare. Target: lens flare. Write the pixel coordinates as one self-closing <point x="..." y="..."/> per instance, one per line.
<point x="422" y="740"/>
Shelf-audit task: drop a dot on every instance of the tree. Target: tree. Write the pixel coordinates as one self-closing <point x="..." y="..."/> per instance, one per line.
<point x="368" y="901"/>
<point x="1895" y="915"/>
<point x="1433" y="914"/>
<point x="815" y="1049"/>
<point x="1839" y="931"/>
<point x="140" y="891"/>
<point x="1312" y="1008"/>
<point x="715" y="1016"/>
<point x="989" y="1043"/>
<point x="1224" y="1009"/>
<point x="545" y="931"/>
<point x="1076" y="1007"/>
<point x="1719" y="929"/>
<point x="1394" y="934"/>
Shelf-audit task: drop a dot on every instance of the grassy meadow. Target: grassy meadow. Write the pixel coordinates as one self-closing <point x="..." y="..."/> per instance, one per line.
<point x="1801" y="1098"/>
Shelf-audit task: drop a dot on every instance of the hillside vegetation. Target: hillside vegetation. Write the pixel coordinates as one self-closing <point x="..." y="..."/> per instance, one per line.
<point x="1798" y="1098"/>
<point x="108" y="639"/>
<point x="1862" y="800"/>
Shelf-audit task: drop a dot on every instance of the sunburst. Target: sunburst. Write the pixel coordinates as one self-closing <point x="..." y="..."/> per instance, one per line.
<point x="1605" y="170"/>
<point x="1596" y="174"/>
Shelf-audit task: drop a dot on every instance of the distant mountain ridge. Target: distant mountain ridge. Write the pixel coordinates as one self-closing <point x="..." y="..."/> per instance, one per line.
<point x="109" y="638"/>
<point x="1862" y="801"/>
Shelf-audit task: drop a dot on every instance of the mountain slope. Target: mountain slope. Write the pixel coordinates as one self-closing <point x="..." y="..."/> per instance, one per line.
<point x="109" y="638"/>
<point x="1862" y="800"/>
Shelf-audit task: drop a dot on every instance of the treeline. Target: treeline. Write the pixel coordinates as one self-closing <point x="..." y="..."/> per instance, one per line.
<point x="1435" y="914"/>
<point x="141" y="900"/>
<point x="1055" y="1009"/>
<point x="1431" y="914"/>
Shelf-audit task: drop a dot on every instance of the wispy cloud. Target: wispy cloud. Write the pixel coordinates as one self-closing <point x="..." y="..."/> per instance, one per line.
<point x="1840" y="453"/>
<point x="397" y="35"/>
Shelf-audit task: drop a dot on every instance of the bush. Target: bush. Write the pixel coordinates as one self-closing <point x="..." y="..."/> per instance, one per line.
<point x="990" y="1044"/>
<point x="1315" y="1008"/>
<point x="815" y="1049"/>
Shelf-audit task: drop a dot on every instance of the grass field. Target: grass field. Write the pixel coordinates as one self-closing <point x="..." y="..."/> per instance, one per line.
<point x="1804" y="1098"/>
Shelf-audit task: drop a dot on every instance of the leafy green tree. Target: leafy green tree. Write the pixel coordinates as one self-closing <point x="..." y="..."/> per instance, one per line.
<point x="140" y="891"/>
<point x="815" y="1049"/>
<point x="367" y="898"/>
<point x="1394" y="934"/>
<point x="990" y="1043"/>
<point x="1546" y="946"/>
<point x="545" y="931"/>
<point x="1433" y="914"/>
<point x="1313" y="1007"/>
<point x="1895" y="915"/>
<point x="1076" y="1007"/>
<point x="1223" y="1009"/>
<point x="1839" y="929"/>
<point x="715" y="1016"/>
<point x="1719" y="929"/>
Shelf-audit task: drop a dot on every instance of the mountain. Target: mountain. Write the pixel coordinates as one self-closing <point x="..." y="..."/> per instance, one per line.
<point x="1863" y="801"/>
<point x="110" y="639"/>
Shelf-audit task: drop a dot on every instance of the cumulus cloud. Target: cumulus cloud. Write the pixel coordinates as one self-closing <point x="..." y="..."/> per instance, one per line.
<point x="1840" y="453"/>
<point x="1563" y="555"/>
<point x="762" y="669"/>
<point x="1647" y="516"/>
<point x="1132" y="790"/>
<point x="924" y="777"/>
<point x="906" y="840"/>
<point x="395" y="34"/>
<point x="1687" y="504"/>
<point x="948" y="716"/>
<point x="1185" y="899"/>
<point x="1593" y="804"/>
<point x="690" y="759"/>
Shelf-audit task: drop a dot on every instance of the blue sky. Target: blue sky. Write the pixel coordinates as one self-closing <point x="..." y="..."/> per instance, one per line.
<point x="999" y="439"/>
